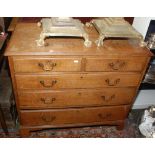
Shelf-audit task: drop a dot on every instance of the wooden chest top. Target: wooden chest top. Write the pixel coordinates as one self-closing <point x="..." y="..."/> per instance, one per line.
<point x="23" y="42"/>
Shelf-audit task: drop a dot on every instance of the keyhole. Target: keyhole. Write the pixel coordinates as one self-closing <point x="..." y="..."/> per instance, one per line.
<point x="79" y="94"/>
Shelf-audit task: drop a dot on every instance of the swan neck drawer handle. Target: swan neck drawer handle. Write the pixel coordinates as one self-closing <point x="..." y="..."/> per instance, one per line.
<point x="48" y="101"/>
<point x="108" y="98"/>
<point x="117" y="65"/>
<point x="104" y="116"/>
<point x="48" y="118"/>
<point x="48" y="85"/>
<point x="48" y="66"/>
<point x="111" y="82"/>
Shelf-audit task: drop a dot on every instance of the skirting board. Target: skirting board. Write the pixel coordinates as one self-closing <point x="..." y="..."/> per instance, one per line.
<point x="145" y="98"/>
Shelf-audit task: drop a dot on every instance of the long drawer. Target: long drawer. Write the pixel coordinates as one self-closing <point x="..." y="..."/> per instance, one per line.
<point x="92" y="80"/>
<point x="72" y="116"/>
<point x="39" y="64"/>
<point x="115" y="64"/>
<point x="75" y="98"/>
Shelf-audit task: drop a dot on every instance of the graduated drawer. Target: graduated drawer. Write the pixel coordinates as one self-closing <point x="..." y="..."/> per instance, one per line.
<point x="72" y="116"/>
<point x="75" y="98"/>
<point x="92" y="80"/>
<point x="37" y="64"/>
<point x="115" y="64"/>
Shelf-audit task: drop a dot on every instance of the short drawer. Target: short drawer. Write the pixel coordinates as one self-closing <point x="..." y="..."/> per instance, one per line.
<point x="32" y="65"/>
<point x="115" y="64"/>
<point x="58" y="81"/>
<point x="72" y="116"/>
<point x="75" y="98"/>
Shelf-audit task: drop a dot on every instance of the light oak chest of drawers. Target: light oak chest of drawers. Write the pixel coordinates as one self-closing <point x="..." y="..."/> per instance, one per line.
<point x="66" y="84"/>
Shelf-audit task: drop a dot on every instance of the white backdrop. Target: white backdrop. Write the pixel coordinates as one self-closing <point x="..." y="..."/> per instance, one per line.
<point x="141" y="24"/>
<point x="145" y="98"/>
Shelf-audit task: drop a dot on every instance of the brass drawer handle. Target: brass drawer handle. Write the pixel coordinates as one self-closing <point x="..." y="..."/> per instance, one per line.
<point x="48" y="85"/>
<point x="48" y="101"/>
<point x="117" y="65"/>
<point x="48" y="66"/>
<point x="48" y="118"/>
<point x="104" y="116"/>
<point x="107" y="99"/>
<point x="111" y="82"/>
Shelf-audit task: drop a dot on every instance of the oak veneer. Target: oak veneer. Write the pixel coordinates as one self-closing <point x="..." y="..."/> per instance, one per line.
<point x="39" y="64"/>
<point x="78" y="80"/>
<point x="75" y="98"/>
<point x="72" y="116"/>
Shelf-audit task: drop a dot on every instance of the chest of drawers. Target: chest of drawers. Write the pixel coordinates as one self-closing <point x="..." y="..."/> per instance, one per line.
<point x="66" y="84"/>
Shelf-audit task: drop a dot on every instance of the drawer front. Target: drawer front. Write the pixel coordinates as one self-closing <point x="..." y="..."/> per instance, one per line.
<point x="58" y="81"/>
<point x="72" y="116"/>
<point x="75" y="98"/>
<point x="120" y="64"/>
<point x="46" y="64"/>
